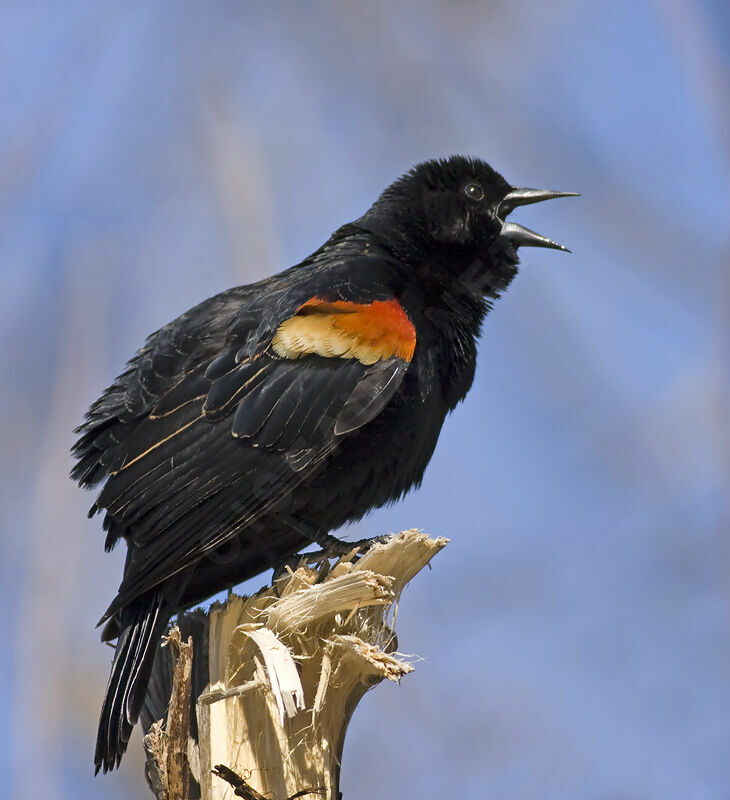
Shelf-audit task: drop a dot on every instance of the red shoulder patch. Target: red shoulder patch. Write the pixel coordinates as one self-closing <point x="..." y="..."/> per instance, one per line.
<point x="369" y="332"/>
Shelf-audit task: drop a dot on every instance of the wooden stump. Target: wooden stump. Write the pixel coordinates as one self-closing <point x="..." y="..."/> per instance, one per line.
<point x="287" y="668"/>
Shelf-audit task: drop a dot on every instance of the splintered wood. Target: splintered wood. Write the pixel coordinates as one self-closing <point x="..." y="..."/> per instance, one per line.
<point x="288" y="666"/>
<point x="168" y="765"/>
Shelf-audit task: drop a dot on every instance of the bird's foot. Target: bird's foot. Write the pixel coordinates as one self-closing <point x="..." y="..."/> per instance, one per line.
<point x="332" y="549"/>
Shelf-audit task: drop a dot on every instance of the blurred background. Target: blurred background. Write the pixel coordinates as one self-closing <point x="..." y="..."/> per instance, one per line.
<point x="575" y="634"/>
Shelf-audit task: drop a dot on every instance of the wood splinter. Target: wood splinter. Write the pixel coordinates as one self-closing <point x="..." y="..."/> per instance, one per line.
<point x="167" y="766"/>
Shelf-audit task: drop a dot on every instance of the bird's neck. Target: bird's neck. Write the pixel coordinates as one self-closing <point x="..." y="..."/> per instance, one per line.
<point x="464" y="285"/>
<point x="454" y="298"/>
<point x="467" y="274"/>
<point x="396" y="227"/>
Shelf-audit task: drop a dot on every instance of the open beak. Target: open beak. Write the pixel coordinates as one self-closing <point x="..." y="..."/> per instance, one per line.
<point x="519" y="235"/>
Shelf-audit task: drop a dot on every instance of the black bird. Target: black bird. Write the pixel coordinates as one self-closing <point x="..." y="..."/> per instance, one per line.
<point x="271" y="414"/>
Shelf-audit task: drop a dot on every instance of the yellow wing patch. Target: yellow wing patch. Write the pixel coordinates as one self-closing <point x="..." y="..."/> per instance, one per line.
<point x="369" y="332"/>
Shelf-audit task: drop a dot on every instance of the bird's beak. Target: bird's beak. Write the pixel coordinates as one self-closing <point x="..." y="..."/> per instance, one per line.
<point x="519" y="235"/>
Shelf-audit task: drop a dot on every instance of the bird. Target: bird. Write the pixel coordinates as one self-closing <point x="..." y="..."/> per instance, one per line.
<point x="271" y="414"/>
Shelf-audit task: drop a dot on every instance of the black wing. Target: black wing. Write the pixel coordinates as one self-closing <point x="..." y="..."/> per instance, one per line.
<point x="208" y="428"/>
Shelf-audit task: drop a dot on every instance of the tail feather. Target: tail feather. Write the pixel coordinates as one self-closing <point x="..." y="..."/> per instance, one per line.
<point x="130" y="673"/>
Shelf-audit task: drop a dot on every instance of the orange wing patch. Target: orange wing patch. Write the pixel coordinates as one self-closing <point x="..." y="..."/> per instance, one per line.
<point x="369" y="332"/>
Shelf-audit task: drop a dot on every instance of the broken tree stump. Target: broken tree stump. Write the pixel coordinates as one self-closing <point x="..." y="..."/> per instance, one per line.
<point x="289" y="664"/>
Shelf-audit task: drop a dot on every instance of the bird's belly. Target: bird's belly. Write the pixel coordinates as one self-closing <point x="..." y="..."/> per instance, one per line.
<point x="370" y="468"/>
<point x="376" y="465"/>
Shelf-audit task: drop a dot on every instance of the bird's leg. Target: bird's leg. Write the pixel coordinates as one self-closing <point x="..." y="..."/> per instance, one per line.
<point x="332" y="547"/>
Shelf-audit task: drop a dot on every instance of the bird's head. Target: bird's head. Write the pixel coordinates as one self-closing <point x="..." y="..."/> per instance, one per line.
<point x="454" y="211"/>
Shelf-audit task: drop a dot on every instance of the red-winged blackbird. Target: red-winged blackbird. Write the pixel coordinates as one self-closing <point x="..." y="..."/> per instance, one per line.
<point x="271" y="414"/>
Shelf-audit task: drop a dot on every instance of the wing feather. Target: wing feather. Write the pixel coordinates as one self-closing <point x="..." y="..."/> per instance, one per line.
<point x="371" y="395"/>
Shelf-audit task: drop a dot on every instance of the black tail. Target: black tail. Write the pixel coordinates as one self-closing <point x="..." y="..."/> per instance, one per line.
<point x="131" y="668"/>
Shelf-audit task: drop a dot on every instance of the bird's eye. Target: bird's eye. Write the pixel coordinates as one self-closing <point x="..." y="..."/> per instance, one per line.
<point x="474" y="191"/>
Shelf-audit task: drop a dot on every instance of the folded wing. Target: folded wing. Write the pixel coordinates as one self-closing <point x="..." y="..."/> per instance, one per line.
<point x="193" y="456"/>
